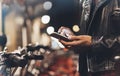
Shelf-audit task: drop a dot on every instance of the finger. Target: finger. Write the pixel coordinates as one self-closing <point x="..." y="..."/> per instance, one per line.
<point x="74" y="37"/>
<point x="72" y="43"/>
<point x="60" y="29"/>
<point x="67" y="47"/>
<point x="64" y="44"/>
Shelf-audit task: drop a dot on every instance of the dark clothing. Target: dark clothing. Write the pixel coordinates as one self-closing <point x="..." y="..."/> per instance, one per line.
<point x="103" y="25"/>
<point x="3" y="40"/>
<point x="4" y="70"/>
<point x="104" y="73"/>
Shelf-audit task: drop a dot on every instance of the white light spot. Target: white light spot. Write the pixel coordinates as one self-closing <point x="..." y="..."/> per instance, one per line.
<point x="117" y="57"/>
<point x="50" y="29"/>
<point x="45" y="19"/>
<point x="47" y="5"/>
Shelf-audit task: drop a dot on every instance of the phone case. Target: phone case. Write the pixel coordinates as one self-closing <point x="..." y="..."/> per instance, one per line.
<point x="58" y="36"/>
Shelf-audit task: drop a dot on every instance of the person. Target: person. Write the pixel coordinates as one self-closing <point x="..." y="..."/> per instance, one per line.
<point x="99" y="39"/>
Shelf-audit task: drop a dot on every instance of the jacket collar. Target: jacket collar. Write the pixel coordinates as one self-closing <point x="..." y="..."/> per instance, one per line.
<point x="98" y="7"/>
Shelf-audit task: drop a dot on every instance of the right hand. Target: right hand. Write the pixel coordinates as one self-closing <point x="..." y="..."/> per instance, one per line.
<point x="65" y="31"/>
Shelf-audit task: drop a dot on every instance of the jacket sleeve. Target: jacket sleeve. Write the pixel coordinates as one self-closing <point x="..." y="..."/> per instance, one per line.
<point x="106" y="42"/>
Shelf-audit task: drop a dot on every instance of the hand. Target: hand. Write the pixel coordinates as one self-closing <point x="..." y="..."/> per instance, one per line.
<point x="65" y="31"/>
<point x="78" y="41"/>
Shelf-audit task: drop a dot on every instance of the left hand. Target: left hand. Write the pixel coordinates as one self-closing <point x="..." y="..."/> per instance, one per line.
<point x="78" y="41"/>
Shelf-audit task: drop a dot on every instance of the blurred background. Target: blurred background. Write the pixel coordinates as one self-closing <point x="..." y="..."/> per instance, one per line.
<point x="31" y="21"/>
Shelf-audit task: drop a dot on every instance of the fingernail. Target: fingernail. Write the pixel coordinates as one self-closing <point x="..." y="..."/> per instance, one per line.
<point x="67" y="35"/>
<point x="58" y="32"/>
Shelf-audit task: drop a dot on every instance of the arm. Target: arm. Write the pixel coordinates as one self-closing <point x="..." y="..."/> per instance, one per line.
<point x="108" y="42"/>
<point x="95" y="43"/>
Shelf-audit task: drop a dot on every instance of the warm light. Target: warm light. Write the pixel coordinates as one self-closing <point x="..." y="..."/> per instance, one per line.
<point x="36" y="25"/>
<point x="76" y="28"/>
<point x="45" y="19"/>
<point x="19" y="20"/>
<point x="50" y="29"/>
<point x="117" y="57"/>
<point x="47" y="5"/>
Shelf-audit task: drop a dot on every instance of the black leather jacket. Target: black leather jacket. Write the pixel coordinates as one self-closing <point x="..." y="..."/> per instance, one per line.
<point x="104" y="27"/>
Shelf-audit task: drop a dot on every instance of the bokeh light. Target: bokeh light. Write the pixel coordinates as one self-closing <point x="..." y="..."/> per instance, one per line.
<point x="50" y="29"/>
<point x="76" y="28"/>
<point x="45" y="19"/>
<point x="47" y="5"/>
<point x="117" y="57"/>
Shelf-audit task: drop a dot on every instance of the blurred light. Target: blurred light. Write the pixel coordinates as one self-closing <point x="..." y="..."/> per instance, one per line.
<point x="42" y="50"/>
<point x="80" y="1"/>
<point x="47" y="5"/>
<point x="45" y="19"/>
<point x="50" y="29"/>
<point x="36" y="30"/>
<point x="36" y="26"/>
<point x="19" y="20"/>
<point x="46" y="65"/>
<point x="45" y="40"/>
<point x="117" y="57"/>
<point x="76" y="28"/>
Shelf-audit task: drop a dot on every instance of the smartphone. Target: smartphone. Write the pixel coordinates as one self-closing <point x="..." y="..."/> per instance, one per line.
<point x="58" y="36"/>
